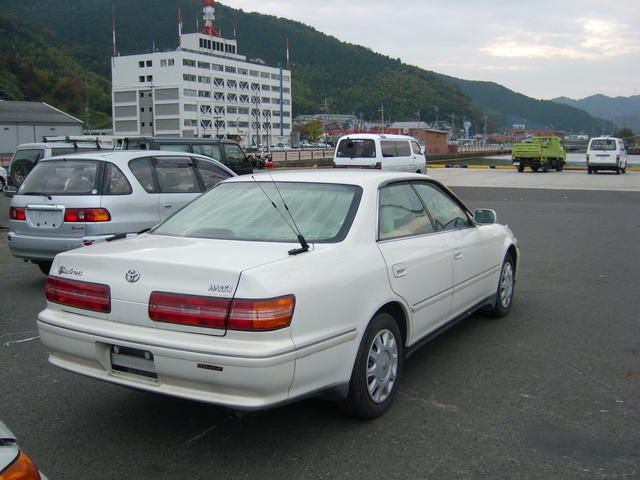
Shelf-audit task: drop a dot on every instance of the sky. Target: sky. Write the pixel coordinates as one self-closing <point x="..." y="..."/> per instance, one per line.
<point x="544" y="49"/>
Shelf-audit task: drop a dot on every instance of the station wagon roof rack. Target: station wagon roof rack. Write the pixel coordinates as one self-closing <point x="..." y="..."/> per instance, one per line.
<point x="74" y="140"/>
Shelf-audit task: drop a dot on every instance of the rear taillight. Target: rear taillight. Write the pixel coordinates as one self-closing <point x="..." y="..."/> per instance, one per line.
<point x="188" y="309"/>
<point x="85" y="295"/>
<point x="87" y="215"/>
<point x="239" y="314"/>
<point x="22" y="468"/>
<point x="617" y="158"/>
<point x="17" y="213"/>
<point x="261" y="315"/>
<point x="378" y="166"/>
<point x="587" y="158"/>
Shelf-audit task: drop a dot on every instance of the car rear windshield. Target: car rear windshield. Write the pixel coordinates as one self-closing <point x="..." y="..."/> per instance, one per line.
<point x="244" y="211"/>
<point x="62" y="177"/>
<point x="604" y="144"/>
<point x="356" y="148"/>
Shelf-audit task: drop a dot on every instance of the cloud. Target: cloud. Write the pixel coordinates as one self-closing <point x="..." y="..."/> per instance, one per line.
<point x="595" y="39"/>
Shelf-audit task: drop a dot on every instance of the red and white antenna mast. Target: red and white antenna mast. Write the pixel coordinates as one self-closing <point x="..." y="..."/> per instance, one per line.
<point x="209" y="11"/>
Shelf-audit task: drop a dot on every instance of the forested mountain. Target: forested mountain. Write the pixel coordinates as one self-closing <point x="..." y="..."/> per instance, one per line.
<point x="623" y="111"/>
<point x="506" y="107"/>
<point x="345" y="77"/>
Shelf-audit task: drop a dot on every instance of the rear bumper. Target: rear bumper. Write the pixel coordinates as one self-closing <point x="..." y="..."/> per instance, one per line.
<point x="46" y="248"/>
<point x="208" y="371"/>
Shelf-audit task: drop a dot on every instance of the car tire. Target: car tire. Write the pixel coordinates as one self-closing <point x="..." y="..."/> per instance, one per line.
<point x="618" y="170"/>
<point x="418" y="171"/>
<point x="520" y="168"/>
<point x="44" y="267"/>
<point x="505" y="290"/>
<point x="371" y="392"/>
<point x="624" y="170"/>
<point x="589" y="171"/>
<point x="19" y="172"/>
<point x="560" y="167"/>
<point x="535" y="168"/>
<point x="545" y="167"/>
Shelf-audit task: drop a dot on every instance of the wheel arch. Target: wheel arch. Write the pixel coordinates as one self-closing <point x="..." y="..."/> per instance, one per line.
<point x="398" y="311"/>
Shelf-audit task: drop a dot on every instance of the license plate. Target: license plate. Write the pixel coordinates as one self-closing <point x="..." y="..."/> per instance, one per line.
<point x="131" y="360"/>
<point x="45" y="218"/>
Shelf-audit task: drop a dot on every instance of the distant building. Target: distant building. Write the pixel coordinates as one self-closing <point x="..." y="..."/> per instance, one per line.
<point x="436" y="141"/>
<point x="25" y="122"/>
<point x="202" y="89"/>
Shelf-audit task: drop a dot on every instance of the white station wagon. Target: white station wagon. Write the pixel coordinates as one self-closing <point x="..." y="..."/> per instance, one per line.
<point x="272" y="288"/>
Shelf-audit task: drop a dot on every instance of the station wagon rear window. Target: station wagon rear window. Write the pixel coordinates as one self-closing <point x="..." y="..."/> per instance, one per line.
<point x="62" y="177"/>
<point x="244" y="211"/>
<point x="603" y="144"/>
<point x="356" y="148"/>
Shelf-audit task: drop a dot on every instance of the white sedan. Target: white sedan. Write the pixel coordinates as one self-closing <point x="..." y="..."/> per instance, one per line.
<point x="270" y="288"/>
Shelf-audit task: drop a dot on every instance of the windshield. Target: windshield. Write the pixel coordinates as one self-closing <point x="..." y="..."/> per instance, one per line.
<point x="243" y="211"/>
<point x="62" y="177"/>
<point x="603" y="144"/>
<point x="356" y="148"/>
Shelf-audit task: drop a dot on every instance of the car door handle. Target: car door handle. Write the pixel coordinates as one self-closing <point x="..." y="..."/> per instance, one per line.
<point x="457" y="253"/>
<point x="168" y="205"/>
<point x="399" y="270"/>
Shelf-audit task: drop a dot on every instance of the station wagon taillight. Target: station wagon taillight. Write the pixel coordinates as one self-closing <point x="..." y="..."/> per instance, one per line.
<point x="87" y="215"/>
<point x="85" y="295"/>
<point x="212" y="312"/>
<point x="378" y="166"/>
<point x="17" y="213"/>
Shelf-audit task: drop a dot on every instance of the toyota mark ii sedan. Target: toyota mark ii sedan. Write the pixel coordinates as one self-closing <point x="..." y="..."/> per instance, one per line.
<point x="270" y="288"/>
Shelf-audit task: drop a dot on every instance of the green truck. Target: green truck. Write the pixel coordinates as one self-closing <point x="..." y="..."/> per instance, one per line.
<point x="544" y="153"/>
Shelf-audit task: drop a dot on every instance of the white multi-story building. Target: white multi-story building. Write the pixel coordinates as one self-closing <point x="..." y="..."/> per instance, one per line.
<point x="202" y="89"/>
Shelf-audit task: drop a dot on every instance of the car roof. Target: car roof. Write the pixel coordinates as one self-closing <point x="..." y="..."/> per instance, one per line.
<point x="381" y="136"/>
<point x="122" y="157"/>
<point x="179" y="140"/>
<point x="82" y="144"/>
<point x="363" y="177"/>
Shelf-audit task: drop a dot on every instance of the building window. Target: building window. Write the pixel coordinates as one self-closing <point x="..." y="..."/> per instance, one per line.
<point x="216" y="67"/>
<point x="142" y="124"/>
<point x="266" y="100"/>
<point x="243" y="71"/>
<point x="275" y="89"/>
<point x="149" y="78"/>
<point x="229" y="69"/>
<point x="190" y="107"/>
<point x="286" y="126"/>
<point x="232" y="84"/>
<point x="141" y="94"/>
<point x="141" y="64"/>
<point x="190" y="93"/>
<point x="141" y="109"/>
<point x="141" y="78"/>
<point x="188" y="63"/>
<point x="163" y="62"/>
<point x="205" y="109"/>
<point x="286" y="90"/>
<point x="202" y="79"/>
<point x="254" y="73"/>
<point x="171" y="62"/>
<point x="275" y="76"/>
<point x="151" y="124"/>
<point x="218" y="96"/>
<point x="244" y="85"/>
<point x="151" y="109"/>
<point x="232" y="110"/>
<point x="187" y="77"/>
<point x="243" y="111"/>
<point x="149" y="63"/>
<point x="287" y="78"/>
<point x="266" y="87"/>
<point x="190" y="123"/>
<point x="204" y="94"/>
<point x="264" y="75"/>
<point x="205" y="65"/>
<point x="218" y="82"/>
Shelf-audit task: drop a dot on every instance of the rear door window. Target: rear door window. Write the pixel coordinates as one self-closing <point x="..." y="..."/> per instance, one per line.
<point x="388" y="149"/>
<point x="403" y="149"/>
<point x="142" y="169"/>
<point x="63" y="177"/>
<point x="212" y="151"/>
<point x="62" y="151"/>
<point x="176" y="175"/>
<point x="416" y="148"/>
<point x="115" y="183"/>
<point x="210" y="173"/>
<point x="356" y="148"/>
<point x="401" y="213"/>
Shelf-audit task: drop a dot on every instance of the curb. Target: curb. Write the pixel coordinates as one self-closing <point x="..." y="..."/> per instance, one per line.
<point x="511" y="167"/>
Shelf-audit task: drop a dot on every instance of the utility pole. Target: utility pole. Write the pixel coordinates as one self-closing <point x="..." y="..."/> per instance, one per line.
<point x="485" y="130"/>
<point x="453" y="120"/>
<point x="418" y="116"/>
<point x="437" y="120"/>
<point x="382" y="115"/>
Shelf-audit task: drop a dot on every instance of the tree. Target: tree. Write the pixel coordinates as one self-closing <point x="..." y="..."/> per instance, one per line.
<point x="315" y="130"/>
<point x="627" y="135"/>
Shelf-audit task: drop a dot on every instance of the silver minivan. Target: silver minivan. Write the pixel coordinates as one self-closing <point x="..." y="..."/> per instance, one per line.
<point x="77" y="200"/>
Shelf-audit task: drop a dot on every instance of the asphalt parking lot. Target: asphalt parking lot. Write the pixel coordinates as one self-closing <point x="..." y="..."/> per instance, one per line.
<point x="552" y="391"/>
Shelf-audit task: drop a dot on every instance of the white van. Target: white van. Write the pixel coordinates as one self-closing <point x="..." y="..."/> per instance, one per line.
<point x="606" y="153"/>
<point x="382" y="152"/>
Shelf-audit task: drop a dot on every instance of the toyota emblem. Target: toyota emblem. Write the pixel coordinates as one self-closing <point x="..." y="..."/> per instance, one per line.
<point x="132" y="276"/>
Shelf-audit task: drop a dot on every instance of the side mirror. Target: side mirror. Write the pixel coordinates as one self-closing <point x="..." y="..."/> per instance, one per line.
<point x="485" y="216"/>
